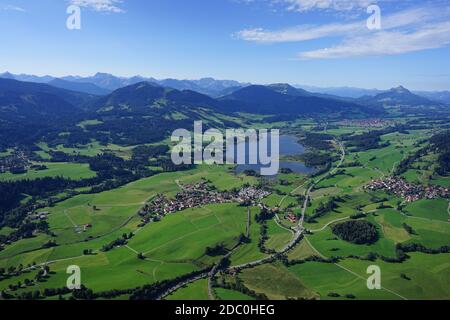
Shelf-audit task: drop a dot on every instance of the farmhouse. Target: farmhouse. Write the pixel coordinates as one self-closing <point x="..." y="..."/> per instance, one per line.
<point x="292" y="217"/>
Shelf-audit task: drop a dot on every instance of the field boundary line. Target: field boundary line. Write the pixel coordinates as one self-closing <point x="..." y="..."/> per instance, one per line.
<point x="354" y="273"/>
<point x="330" y="223"/>
<point x="182" y="237"/>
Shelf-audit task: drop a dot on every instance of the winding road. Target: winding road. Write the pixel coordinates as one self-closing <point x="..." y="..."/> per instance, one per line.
<point x="298" y="230"/>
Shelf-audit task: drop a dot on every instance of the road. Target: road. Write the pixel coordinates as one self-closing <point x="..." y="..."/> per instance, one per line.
<point x="448" y="209"/>
<point x="298" y="230"/>
<point x="330" y="223"/>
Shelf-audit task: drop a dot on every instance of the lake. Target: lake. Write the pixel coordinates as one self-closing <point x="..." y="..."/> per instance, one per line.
<point x="289" y="146"/>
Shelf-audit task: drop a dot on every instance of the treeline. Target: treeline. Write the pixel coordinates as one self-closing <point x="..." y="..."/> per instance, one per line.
<point x="111" y="172"/>
<point x="316" y="160"/>
<point x="117" y="242"/>
<point x="262" y="219"/>
<point x="289" y="263"/>
<point x="401" y="251"/>
<point x="406" y="164"/>
<point x="147" y="292"/>
<point x="366" y="141"/>
<point x="240" y="287"/>
<point x="217" y="250"/>
<point x="323" y="208"/>
<point x="153" y="291"/>
<point x="320" y="141"/>
<point x="440" y="143"/>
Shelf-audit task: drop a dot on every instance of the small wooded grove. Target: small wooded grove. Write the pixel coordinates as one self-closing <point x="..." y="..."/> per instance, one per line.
<point x="356" y="231"/>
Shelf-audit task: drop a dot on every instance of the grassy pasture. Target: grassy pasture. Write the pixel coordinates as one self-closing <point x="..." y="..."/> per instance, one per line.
<point x="185" y="235"/>
<point x="434" y="209"/>
<point x="278" y="237"/>
<point x="429" y="275"/>
<point x="276" y="281"/>
<point x="75" y="171"/>
<point x="353" y="179"/>
<point x="249" y="251"/>
<point x="197" y="290"/>
<point x="324" y="278"/>
<point x="114" y="215"/>
<point x="330" y="245"/>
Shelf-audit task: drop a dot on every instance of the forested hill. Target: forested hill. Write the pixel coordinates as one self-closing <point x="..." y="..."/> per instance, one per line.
<point x="144" y="112"/>
<point x="276" y="99"/>
<point x="144" y="95"/>
<point x="397" y="96"/>
<point x="17" y="94"/>
<point x="30" y="110"/>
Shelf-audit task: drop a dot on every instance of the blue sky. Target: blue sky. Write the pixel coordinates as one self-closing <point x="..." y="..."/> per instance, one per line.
<point x="312" y="42"/>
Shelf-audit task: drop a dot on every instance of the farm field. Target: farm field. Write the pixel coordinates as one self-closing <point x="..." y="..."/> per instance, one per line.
<point x="197" y="290"/>
<point x="75" y="171"/>
<point x="320" y="265"/>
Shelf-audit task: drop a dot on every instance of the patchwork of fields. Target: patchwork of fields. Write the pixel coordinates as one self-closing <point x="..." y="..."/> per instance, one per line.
<point x="82" y="225"/>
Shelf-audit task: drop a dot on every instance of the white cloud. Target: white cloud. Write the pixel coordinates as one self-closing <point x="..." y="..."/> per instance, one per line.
<point x="386" y="43"/>
<point x="309" y="32"/>
<point x="339" y="5"/>
<point x="410" y="30"/>
<point x="13" y="8"/>
<point x="100" y="5"/>
<point x="299" y="33"/>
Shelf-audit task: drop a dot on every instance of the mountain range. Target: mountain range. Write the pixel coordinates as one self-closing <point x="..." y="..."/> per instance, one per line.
<point x="356" y="93"/>
<point x="147" y="111"/>
<point x="399" y="96"/>
<point x="104" y="83"/>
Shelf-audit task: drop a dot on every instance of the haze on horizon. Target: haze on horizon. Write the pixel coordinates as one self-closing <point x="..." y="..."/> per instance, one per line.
<point x="315" y="43"/>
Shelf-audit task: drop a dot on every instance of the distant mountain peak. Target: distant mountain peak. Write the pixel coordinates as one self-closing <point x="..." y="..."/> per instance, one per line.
<point x="7" y="75"/>
<point x="281" y="85"/>
<point x="145" y="84"/>
<point x="104" y="75"/>
<point x="400" y="89"/>
<point x="287" y="89"/>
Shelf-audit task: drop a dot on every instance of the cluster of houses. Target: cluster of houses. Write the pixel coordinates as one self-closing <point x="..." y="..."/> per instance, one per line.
<point x="368" y="123"/>
<point x="197" y="195"/>
<point x="41" y="216"/>
<point x="409" y="191"/>
<point x="15" y="162"/>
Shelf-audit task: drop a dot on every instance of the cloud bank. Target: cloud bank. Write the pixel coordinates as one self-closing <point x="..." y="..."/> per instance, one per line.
<point x="410" y="30"/>
<point x="111" y="6"/>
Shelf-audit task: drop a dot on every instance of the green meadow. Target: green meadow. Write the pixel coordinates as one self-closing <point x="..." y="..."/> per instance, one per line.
<point x="176" y="245"/>
<point x="75" y="171"/>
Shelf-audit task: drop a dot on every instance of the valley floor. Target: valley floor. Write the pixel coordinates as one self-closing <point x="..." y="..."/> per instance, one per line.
<point x="312" y="262"/>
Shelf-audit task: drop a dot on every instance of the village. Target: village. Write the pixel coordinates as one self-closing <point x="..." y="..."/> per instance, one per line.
<point x="197" y="195"/>
<point x="16" y="162"/>
<point x="367" y="123"/>
<point x="408" y="191"/>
